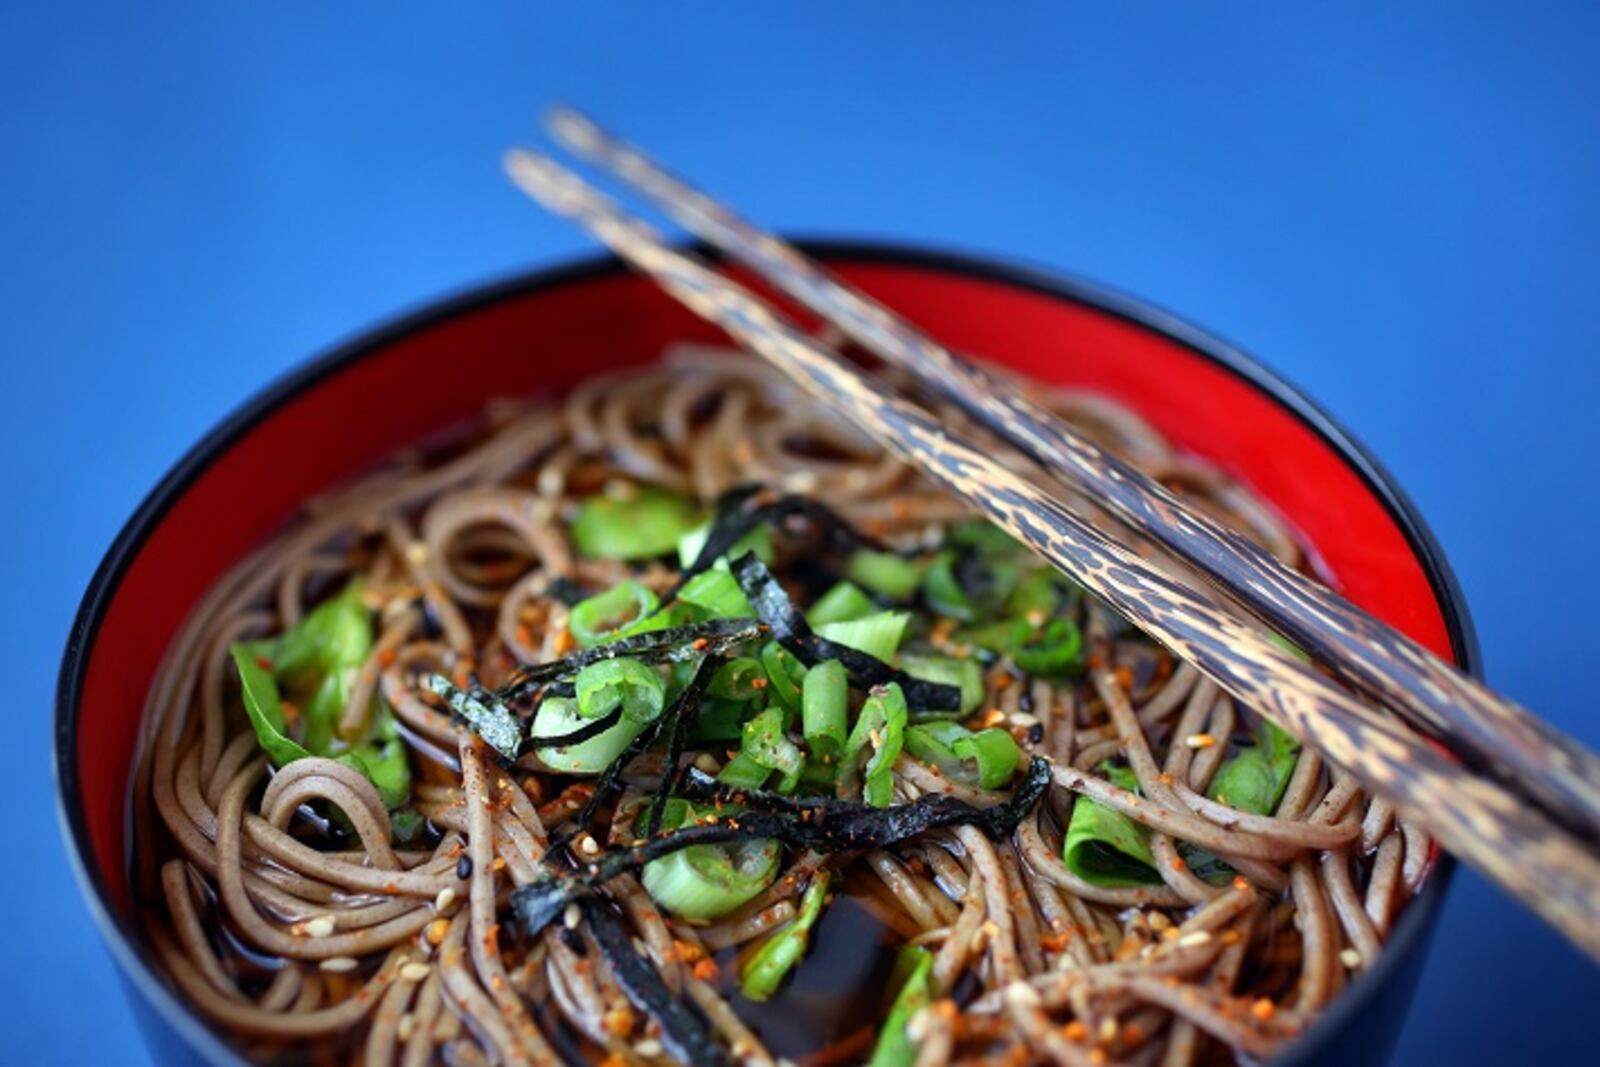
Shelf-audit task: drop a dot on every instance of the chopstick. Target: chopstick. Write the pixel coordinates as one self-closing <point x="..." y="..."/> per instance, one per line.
<point x="1483" y="728"/>
<point x="1514" y="844"/>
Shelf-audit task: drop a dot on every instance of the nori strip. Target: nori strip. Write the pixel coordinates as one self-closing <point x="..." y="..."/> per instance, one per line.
<point x="744" y="507"/>
<point x="494" y="722"/>
<point x="686" y="708"/>
<point x="773" y="607"/>
<point x="672" y="645"/>
<point x="606" y="784"/>
<point x="821" y="825"/>
<point x="581" y="734"/>
<point x="684" y="1036"/>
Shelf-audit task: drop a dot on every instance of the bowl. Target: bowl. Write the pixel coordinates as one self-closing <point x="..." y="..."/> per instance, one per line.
<point x="548" y="329"/>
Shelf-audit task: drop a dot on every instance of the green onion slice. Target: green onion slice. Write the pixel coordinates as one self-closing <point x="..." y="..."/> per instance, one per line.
<point x="765" y="970"/>
<point x="610" y="614"/>
<point x="621" y="683"/>
<point x="705" y="882"/>
<point x="635" y="522"/>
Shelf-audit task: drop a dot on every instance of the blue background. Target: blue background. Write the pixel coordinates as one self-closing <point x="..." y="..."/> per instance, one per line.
<point x="1397" y="208"/>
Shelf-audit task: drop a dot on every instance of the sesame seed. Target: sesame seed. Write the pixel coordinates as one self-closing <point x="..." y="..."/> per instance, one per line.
<point x="436" y="931"/>
<point x="1159" y="920"/>
<point x="406" y="1027"/>
<point x="1108" y="1029"/>
<point x="1193" y="938"/>
<point x="414" y="972"/>
<point x="571" y="916"/>
<point x="589" y="846"/>
<point x="446" y="897"/>
<point x="338" y="964"/>
<point x="648" y="1047"/>
<point x="321" y="926"/>
<point x="1022" y="718"/>
<point x="1350" y="958"/>
<point x="1199" y="741"/>
<point x="1020" y="992"/>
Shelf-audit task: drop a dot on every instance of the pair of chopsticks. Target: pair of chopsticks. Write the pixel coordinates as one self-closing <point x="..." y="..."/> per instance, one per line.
<point x="1515" y="798"/>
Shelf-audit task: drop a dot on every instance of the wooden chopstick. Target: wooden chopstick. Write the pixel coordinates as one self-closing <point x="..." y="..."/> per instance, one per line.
<point x="1511" y="842"/>
<point x="1483" y="728"/>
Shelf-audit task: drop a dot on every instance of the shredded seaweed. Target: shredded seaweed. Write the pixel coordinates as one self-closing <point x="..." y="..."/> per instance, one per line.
<point x="487" y="716"/>
<point x="818" y="824"/>
<point x="578" y="736"/>
<point x="745" y="507"/>
<point x="672" y="645"/>
<point x="774" y="608"/>
<point x="604" y="786"/>
<point x="684" y="710"/>
<point x="683" y="1034"/>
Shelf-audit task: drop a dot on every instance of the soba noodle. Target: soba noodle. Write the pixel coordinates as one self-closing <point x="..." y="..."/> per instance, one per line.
<point x="309" y="915"/>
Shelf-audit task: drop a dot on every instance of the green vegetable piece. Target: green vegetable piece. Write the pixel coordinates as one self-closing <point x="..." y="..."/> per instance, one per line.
<point x="784" y="673"/>
<point x="994" y="755"/>
<point x="825" y="709"/>
<point x="892" y="575"/>
<point x="717" y="595"/>
<point x="743" y="772"/>
<point x="988" y="758"/>
<point x="609" y="615"/>
<point x="877" y="635"/>
<point x="1255" y="778"/>
<point x="406" y="826"/>
<point x="626" y="683"/>
<point x="965" y="674"/>
<point x="766" y="744"/>
<point x="841" y="603"/>
<point x="1049" y="651"/>
<point x="720" y="720"/>
<point x="742" y="678"/>
<point x="559" y="715"/>
<point x="984" y="537"/>
<point x="640" y="522"/>
<point x="1105" y="847"/>
<point x="913" y="978"/>
<point x="336" y="633"/>
<point x="705" y="882"/>
<point x="944" y="593"/>
<point x="262" y="704"/>
<point x="758" y="540"/>
<point x="880" y="729"/>
<point x="765" y="970"/>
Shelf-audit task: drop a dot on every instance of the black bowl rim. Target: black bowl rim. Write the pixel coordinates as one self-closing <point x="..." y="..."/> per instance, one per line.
<point x="1409" y="932"/>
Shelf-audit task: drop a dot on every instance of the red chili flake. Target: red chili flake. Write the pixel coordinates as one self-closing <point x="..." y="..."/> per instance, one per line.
<point x="264" y="663"/>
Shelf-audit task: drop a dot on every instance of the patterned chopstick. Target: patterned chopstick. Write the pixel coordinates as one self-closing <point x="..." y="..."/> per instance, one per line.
<point x="1510" y="841"/>
<point x="1483" y="728"/>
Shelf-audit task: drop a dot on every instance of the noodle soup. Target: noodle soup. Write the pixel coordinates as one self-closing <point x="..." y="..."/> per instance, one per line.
<point x="672" y="720"/>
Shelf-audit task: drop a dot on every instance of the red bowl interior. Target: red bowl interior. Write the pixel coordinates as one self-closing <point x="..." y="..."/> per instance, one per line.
<point x="546" y="332"/>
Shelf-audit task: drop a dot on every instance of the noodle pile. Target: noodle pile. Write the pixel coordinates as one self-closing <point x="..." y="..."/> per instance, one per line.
<point x="283" y="906"/>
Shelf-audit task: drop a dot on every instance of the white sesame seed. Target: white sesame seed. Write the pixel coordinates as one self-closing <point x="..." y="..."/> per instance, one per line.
<point x="414" y="972"/>
<point x="1199" y="741"/>
<point x="1159" y="920"/>
<point x="1193" y="938"/>
<point x="571" y="917"/>
<point x="707" y="763"/>
<point x="417" y="553"/>
<point x="648" y="1047"/>
<point x="1350" y="958"/>
<point x="321" y="926"/>
<point x="1022" y="718"/>
<point x="589" y="846"/>
<point x="446" y="897"/>
<point x="1020" y="992"/>
<point x="406" y="1026"/>
<point x="338" y="964"/>
<point x="917" y="1028"/>
<point x="1108" y="1030"/>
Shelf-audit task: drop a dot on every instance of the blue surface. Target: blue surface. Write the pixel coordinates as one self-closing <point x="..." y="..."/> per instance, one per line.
<point x="1396" y="208"/>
